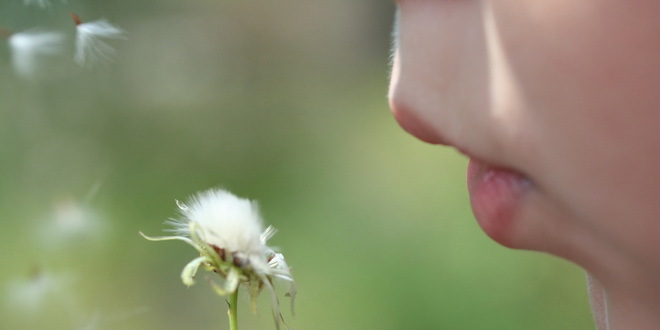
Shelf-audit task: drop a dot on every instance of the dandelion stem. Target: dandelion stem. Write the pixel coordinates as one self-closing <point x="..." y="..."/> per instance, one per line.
<point x="233" y="310"/>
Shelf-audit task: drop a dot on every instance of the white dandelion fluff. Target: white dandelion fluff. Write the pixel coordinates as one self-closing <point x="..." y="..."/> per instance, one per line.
<point x="27" y="295"/>
<point x="29" y="49"/>
<point x="40" y="3"/>
<point x="224" y="220"/>
<point x="228" y="233"/>
<point x="71" y="222"/>
<point x="91" y="47"/>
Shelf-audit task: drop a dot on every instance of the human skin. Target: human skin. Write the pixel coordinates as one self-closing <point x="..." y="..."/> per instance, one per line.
<point x="559" y="99"/>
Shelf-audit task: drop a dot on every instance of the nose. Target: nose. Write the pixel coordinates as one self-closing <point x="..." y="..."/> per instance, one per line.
<point x="414" y="125"/>
<point x="405" y="115"/>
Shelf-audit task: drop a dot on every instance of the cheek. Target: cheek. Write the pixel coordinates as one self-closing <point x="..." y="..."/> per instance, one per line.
<point x="589" y="85"/>
<point x="589" y="89"/>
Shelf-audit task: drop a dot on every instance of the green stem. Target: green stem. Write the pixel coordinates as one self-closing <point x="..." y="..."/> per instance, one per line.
<point x="233" y="310"/>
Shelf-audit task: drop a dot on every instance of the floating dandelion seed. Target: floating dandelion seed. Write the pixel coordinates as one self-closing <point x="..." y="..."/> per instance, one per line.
<point x="40" y="3"/>
<point x="91" y="48"/>
<point x="71" y="222"/>
<point x="27" y="295"/>
<point x="29" y="48"/>
<point x="228" y="233"/>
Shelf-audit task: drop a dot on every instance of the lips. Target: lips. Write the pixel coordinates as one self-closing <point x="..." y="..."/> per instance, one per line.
<point x="496" y="195"/>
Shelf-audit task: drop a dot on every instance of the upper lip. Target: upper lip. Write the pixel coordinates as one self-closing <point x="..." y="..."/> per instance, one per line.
<point x="411" y="122"/>
<point x="418" y="128"/>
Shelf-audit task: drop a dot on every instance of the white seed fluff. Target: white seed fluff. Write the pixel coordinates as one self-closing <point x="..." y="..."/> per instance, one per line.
<point x="40" y="3"/>
<point x="91" y="47"/>
<point x="228" y="233"/>
<point x="226" y="221"/>
<point x="29" y="47"/>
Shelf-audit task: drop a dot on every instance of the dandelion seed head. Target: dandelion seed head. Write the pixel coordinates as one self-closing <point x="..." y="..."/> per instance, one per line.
<point x="228" y="233"/>
<point x="225" y="221"/>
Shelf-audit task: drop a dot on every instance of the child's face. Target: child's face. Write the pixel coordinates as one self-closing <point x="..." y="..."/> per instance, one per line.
<point x="563" y="94"/>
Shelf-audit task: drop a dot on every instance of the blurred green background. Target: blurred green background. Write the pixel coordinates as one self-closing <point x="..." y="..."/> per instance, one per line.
<point x="279" y="101"/>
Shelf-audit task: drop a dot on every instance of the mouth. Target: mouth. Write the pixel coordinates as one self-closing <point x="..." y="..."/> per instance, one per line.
<point x="496" y="194"/>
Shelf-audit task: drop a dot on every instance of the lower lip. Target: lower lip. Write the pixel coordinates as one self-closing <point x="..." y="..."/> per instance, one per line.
<point x="495" y="195"/>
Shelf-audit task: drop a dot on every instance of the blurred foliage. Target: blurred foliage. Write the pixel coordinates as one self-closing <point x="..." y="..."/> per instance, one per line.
<point x="282" y="102"/>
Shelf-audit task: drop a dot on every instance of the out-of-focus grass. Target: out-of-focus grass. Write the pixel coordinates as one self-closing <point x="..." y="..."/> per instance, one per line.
<point x="283" y="103"/>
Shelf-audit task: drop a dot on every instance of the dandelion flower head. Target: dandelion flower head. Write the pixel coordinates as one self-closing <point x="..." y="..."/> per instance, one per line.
<point x="223" y="221"/>
<point x="228" y="233"/>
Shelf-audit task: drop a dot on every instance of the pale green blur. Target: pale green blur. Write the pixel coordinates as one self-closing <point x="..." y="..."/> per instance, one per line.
<point x="279" y="101"/>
